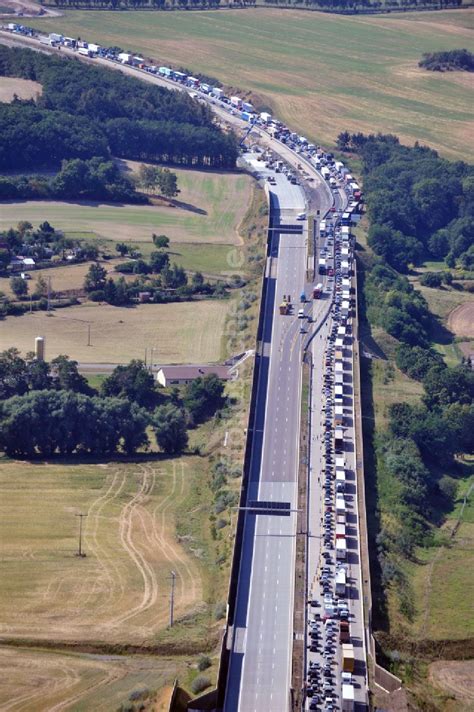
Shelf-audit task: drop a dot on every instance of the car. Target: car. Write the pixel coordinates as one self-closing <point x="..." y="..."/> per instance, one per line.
<point x="301" y="216"/>
<point x="300" y="313"/>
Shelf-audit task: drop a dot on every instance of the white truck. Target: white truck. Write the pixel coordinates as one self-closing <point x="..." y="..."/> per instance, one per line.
<point x="341" y="582"/>
<point x="341" y="549"/>
<point x="348" y="698"/>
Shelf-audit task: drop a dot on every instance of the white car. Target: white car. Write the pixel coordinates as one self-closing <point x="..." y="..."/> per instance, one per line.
<point x="301" y="216"/>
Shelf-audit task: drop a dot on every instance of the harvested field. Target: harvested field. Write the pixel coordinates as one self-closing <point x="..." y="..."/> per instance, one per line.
<point x="455" y="678"/>
<point x="321" y="73"/>
<point x="39" y="681"/>
<point x="22" y="88"/>
<point x="461" y="320"/>
<point x="119" y="592"/>
<point x="181" y="332"/>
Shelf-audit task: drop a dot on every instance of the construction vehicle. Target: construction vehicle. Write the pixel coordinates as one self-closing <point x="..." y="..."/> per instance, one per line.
<point x="285" y="305"/>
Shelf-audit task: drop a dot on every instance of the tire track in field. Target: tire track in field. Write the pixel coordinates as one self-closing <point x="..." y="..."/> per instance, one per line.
<point x="115" y="579"/>
<point x="176" y="553"/>
<point x="150" y="583"/>
<point x="153" y="527"/>
<point x="71" y="677"/>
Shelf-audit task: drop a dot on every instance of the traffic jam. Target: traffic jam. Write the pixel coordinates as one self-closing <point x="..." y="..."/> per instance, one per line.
<point x="335" y="653"/>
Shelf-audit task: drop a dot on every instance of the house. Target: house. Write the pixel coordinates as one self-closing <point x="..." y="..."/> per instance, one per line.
<point x="18" y="264"/>
<point x="180" y="375"/>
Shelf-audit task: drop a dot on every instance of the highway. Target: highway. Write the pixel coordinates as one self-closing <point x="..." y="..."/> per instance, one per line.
<point x="260" y="640"/>
<point x="260" y="661"/>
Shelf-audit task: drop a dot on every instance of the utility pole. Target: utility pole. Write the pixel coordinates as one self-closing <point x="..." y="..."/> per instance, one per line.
<point x="88" y="334"/>
<point x="49" y="294"/>
<point x="79" y="551"/>
<point x="173" y="581"/>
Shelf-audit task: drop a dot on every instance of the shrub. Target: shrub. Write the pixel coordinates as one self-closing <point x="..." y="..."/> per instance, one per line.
<point x="204" y="662"/>
<point x="199" y="684"/>
<point x="220" y="611"/>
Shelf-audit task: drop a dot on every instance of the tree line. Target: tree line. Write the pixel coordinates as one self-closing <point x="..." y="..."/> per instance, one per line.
<point x="450" y="60"/>
<point x="87" y="112"/>
<point x="420" y="206"/>
<point x="341" y="6"/>
<point x="49" y="408"/>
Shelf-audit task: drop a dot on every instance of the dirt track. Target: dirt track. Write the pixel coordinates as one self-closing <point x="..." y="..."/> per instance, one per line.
<point x="461" y="320"/>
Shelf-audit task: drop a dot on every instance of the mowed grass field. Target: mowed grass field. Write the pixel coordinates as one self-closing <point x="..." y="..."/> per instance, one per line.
<point x="213" y="206"/>
<point x="181" y="332"/>
<point x="321" y="73"/>
<point x="120" y="591"/>
<point x="39" y="681"/>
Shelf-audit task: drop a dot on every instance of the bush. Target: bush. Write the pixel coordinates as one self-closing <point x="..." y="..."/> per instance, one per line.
<point x="204" y="662"/>
<point x="220" y="610"/>
<point x="97" y="296"/>
<point x="199" y="684"/>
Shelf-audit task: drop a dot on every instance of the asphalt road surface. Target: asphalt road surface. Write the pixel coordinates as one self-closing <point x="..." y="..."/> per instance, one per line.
<point x="260" y="663"/>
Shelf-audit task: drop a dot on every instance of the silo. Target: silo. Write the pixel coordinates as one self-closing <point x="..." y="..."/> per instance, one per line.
<point x="39" y="348"/>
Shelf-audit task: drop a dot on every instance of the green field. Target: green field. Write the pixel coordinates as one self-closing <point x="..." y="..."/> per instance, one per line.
<point x="209" y="210"/>
<point x="441" y="582"/>
<point x="321" y="73"/>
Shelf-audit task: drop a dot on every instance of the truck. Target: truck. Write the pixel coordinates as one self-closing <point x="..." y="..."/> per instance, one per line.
<point x="285" y="305"/>
<point x="246" y="116"/>
<point x="322" y="228"/>
<point x="85" y="52"/>
<point x="54" y="38"/>
<point x="347" y="698"/>
<point x="247" y="106"/>
<point x="322" y="266"/>
<point x="325" y="172"/>
<point x="236" y="101"/>
<point x="341" y="583"/>
<point x="341" y="549"/>
<point x="265" y="117"/>
<point x="218" y="93"/>
<point x="317" y="291"/>
<point x="340" y="480"/>
<point x="344" y="632"/>
<point x="348" y="657"/>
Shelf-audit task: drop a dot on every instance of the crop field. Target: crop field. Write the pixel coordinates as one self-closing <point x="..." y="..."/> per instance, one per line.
<point x="181" y="332"/>
<point x="34" y="681"/>
<point x="120" y="591"/>
<point x="321" y="73"/>
<point x="23" y="88"/>
<point x="212" y="207"/>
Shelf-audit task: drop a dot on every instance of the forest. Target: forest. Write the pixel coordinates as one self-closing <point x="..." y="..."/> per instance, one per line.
<point x="420" y="206"/>
<point x="87" y="112"/>
<point x="448" y="61"/>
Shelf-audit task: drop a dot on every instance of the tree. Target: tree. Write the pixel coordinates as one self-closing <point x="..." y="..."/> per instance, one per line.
<point x="431" y="279"/>
<point x="197" y="281"/>
<point x="133" y="382"/>
<point x="95" y="278"/>
<point x="148" y="176"/>
<point x="159" y="261"/>
<point x="444" y="386"/>
<point x="162" y="242"/>
<point x="13" y="374"/>
<point x="169" y="424"/>
<point x="203" y="396"/>
<point x="121" y="248"/>
<point x="168" y="183"/>
<point x="66" y="376"/>
<point x="19" y="287"/>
